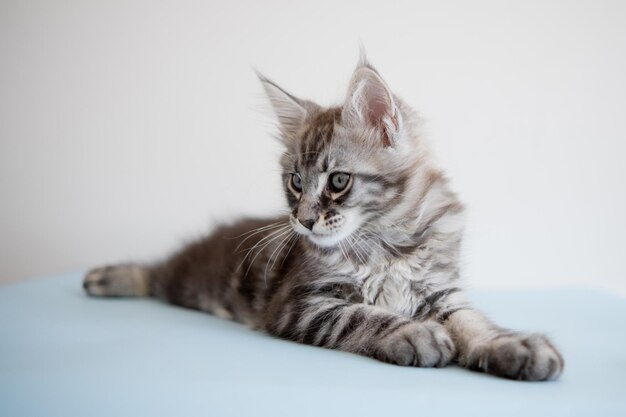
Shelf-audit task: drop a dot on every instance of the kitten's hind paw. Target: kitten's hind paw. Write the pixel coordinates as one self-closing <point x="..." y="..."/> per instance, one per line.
<point x="523" y="357"/>
<point x="424" y="344"/>
<point x="127" y="280"/>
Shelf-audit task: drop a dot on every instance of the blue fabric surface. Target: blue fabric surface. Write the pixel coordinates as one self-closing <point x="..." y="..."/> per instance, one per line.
<point x="64" y="354"/>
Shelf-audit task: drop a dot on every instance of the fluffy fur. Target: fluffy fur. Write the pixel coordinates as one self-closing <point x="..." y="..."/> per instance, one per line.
<point x="367" y="261"/>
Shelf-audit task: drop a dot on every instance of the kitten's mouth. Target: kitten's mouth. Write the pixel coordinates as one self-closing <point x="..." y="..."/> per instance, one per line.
<point x="326" y="241"/>
<point x="321" y="239"/>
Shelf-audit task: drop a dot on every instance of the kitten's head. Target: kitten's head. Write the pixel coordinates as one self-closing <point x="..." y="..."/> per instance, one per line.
<point x="346" y="168"/>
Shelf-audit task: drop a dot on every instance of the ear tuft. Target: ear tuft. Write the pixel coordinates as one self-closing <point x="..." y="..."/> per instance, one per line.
<point x="363" y="61"/>
<point x="290" y="111"/>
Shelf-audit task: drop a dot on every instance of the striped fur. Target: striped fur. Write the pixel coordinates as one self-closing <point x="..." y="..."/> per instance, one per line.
<point x="370" y="267"/>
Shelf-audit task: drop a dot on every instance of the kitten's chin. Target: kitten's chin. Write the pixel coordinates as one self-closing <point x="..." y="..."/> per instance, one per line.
<point x="326" y="241"/>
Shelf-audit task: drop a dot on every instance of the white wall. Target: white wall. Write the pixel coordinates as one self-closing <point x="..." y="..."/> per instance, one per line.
<point x="127" y="127"/>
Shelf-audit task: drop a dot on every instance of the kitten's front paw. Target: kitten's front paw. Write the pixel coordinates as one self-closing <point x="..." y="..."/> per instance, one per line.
<point x="524" y="357"/>
<point x="424" y="344"/>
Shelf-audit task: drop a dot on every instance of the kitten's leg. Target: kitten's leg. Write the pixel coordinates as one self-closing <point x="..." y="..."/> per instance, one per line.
<point x="364" y="329"/>
<point x="488" y="348"/>
<point x="127" y="280"/>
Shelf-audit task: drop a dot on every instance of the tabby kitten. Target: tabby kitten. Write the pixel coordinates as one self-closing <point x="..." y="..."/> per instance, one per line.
<point x="367" y="261"/>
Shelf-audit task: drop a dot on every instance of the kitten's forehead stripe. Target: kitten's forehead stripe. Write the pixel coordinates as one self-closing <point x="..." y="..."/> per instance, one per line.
<point x="326" y="163"/>
<point x="318" y="135"/>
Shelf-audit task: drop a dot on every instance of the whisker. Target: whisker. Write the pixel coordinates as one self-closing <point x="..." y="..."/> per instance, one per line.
<point x="345" y="255"/>
<point x="265" y="245"/>
<point x="276" y="230"/>
<point x="387" y="244"/>
<point x="382" y="239"/>
<point x="259" y="243"/>
<point x="293" y="243"/>
<point x="257" y="231"/>
<point x="354" y="249"/>
<point x="269" y="226"/>
<point x="358" y="241"/>
<point x="364" y="241"/>
<point x="276" y="251"/>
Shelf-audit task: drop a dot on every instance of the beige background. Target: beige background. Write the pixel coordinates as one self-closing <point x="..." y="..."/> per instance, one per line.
<point x="127" y="127"/>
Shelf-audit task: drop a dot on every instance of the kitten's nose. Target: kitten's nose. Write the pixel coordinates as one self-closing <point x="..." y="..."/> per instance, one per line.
<point x="308" y="223"/>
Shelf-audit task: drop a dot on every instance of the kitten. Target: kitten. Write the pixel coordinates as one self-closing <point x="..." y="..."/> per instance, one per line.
<point x="366" y="262"/>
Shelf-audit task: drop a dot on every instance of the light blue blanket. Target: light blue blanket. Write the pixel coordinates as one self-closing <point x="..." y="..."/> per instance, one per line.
<point x="65" y="354"/>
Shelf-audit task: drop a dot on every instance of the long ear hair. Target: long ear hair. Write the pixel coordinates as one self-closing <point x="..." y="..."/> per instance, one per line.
<point x="370" y="102"/>
<point x="290" y="111"/>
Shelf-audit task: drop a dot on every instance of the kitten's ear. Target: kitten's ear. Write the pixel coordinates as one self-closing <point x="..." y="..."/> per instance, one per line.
<point x="290" y="111"/>
<point x="371" y="102"/>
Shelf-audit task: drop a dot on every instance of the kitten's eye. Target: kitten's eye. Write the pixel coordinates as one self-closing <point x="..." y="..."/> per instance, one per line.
<point x="296" y="182"/>
<point x="339" y="181"/>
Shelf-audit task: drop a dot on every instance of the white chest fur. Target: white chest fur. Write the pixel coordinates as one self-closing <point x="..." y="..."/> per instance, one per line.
<point x="398" y="286"/>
